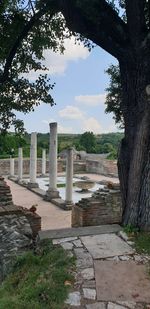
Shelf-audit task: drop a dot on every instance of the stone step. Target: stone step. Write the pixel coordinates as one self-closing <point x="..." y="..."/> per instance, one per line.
<point x="79" y="231"/>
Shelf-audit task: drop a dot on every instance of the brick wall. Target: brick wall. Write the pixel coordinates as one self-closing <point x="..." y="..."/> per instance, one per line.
<point x="104" y="207"/>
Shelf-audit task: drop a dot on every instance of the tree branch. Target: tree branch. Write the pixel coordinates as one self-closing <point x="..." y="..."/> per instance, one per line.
<point x="97" y="21"/>
<point x="20" y="38"/>
<point x="32" y="7"/>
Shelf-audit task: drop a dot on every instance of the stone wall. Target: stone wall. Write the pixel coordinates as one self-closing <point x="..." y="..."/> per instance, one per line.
<point x="15" y="238"/>
<point x="104" y="207"/>
<point x="8" y="208"/>
<point x="5" y="166"/>
<point x="18" y="229"/>
<point x="102" y="167"/>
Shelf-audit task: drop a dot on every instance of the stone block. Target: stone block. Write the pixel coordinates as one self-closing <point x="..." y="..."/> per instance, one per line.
<point x="88" y="273"/>
<point x="74" y="299"/>
<point x="89" y="293"/>
<point x="106" y="245"/>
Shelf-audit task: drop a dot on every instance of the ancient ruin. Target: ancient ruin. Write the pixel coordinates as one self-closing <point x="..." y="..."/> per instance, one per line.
<point x="104" y="207"/>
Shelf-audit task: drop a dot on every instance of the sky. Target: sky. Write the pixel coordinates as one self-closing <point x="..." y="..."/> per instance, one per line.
<point x="79" y="92"/>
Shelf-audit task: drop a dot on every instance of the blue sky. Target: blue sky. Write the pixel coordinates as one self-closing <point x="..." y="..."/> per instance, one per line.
<point x="79" y="92"/>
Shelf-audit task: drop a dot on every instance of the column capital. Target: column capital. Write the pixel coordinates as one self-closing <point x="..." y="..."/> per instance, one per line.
<point x="53" y="124"/>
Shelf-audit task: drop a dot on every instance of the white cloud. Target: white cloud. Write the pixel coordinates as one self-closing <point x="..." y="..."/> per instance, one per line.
<point x="71" y="112"/>
<point x="62" y="129"/>
<point x="111" y="128"/>
<point x="91" y="124"/>
<point x="57" y="63"/>
<point x="91" y="100"/>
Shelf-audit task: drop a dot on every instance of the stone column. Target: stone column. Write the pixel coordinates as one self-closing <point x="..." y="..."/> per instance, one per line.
<point x="20" y="164"/>
<point x="52" y="192"/>
<point x="69" y="178"/>
<point x="43" y="162"/>
<point x="33" y="161"/>
<point x="12" y="167"/>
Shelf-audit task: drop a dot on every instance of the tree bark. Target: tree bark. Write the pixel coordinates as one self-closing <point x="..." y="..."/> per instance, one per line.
<point x="134" y="158"/>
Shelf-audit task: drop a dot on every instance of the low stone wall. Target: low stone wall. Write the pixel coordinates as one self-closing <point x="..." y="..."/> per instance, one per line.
<point x="33" y="218"/>
<point x="102" y="167"/>
<point x="18" y="229"/>
<point x="79" y="166"/>
<point x="104" y="207"/>
<point x="15" y="238"/>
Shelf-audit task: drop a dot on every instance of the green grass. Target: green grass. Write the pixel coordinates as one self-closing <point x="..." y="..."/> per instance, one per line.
<point x="142" y="243"/>
<point x="140" y="238"/>
<point x="38" y="281"/>
<point x="60" y="185"/>
<point x="130" y="230"/>
<point x="63" y="185"/>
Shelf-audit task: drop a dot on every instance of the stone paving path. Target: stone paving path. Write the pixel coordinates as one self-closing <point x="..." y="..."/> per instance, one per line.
<point x="109" y="275"/>
<point x="52" y="216"/>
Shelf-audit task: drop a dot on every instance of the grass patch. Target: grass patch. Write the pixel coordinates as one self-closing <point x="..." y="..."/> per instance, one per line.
<point x="63" y="185"/>
<point x="130" y="230"/>
<point x="141" y="239"/>
<point x="142" y="243"/>
<point x="38" y="281"/>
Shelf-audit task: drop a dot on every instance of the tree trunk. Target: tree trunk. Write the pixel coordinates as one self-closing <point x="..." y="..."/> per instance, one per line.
<point x="134" y="157"/>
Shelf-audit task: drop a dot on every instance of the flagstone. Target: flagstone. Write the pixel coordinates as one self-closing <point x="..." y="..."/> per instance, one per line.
<point x="122" y="281"/>
<point x="106" y="245"/>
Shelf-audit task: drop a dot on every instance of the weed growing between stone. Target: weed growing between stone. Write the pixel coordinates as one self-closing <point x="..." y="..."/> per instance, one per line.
<point x="38" y="280"/>
<point x="130" y="230"/>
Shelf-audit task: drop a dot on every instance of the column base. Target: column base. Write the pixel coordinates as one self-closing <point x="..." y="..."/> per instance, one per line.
<point x="32" y="185"/>
<point x="19" y="181"/>
<point x="51" y="194"/>
<point x="69" y="205"/>
<point x="11" y="177"/>
<point x="43" y="175"/>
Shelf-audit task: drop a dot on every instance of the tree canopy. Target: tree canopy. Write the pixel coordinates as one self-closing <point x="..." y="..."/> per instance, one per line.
<point x="27" y="28"/>
<point x="114" y="95"/>
<point x="88" y="141"/>
<point x="30" y="27"/>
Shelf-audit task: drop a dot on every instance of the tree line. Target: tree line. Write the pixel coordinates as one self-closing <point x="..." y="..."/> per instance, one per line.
<point x="102" y="143"/>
